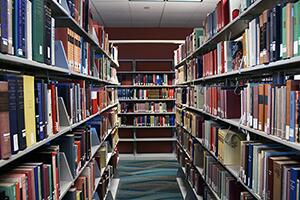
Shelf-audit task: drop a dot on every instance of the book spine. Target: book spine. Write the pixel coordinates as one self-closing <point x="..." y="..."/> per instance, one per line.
<point x="21" y="118"/>
<point x="5" y="148"/>
<point x="4" y="26"/>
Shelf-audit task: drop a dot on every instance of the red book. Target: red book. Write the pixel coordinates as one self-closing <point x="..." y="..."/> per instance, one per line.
<point x="219" y="11"/>
<point x="225" y="12"/>
<point x="54" y="106"/>
<point x="30" y="179"/>
<point x="232" y="104"/>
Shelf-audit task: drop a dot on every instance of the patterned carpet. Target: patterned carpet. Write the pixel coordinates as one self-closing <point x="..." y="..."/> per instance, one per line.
<point x="148" y="180"/>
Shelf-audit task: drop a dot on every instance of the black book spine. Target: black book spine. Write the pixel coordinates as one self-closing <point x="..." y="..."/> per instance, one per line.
<point x="21" y="120"/>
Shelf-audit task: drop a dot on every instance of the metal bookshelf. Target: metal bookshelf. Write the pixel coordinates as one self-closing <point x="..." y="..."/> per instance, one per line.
<point x="66" y="187"/>
<point x="17" y="63"/>
<point x="51" y="138"/>
<point x="146" y="86"/>
<point x="145" y="100"/>
<point x="63" y="19"/>
<point x="148" y="139"/>
<point x="144" y="127"/>
<point x="231" y="30"/>
<point x="233" y="170"/>
<point x="236" y="123"/>
<point x="147" y="113"/>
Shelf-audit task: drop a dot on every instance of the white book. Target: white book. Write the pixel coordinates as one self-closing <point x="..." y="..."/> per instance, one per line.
<point x="52" y="41"/>
<point x="29" y="30"/>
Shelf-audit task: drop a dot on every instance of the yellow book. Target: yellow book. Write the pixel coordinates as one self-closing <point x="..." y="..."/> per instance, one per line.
<point x="78" y="194"/>
<point x="29" y="110"/>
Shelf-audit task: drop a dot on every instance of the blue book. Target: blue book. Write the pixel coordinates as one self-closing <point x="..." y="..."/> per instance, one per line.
<point x="4" y="27"/>
<point x="292" y="116"/>
<point x="19" y="33"/>
<point x="39" y="110"/>
<point x="295" y="172"/>
<point x="250" y="166"/>
<point x="13" y="112"/>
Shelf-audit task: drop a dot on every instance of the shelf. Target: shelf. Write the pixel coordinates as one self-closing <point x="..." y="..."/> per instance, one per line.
<point x="190" y="185"/>
<point x="147" y="139"/>
<point x="49" y="139"/>
<point x="145" y="127"/>
<point x="63" y="19"/>
<point x="236" y="123"/>
<point x="66" y="189"/>
<point x="145" y="100"/>
<point x="146" y="86"/>
<point x="147" y="113"/>
<point x="233" y="170"/>
<point x="233" y="29"/>
<point x="145" y="72"/>
<point x="149" y="156"/>
<point x="21" y="64"/>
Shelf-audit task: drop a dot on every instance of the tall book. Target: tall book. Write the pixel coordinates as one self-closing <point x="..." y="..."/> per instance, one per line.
<point x="29" y="110"/>
<point x="4" y="26"/>
<point x="5" y="150"/>
<point x="19" y="28"/>
<point x="37" y="30"/>
<point x="47" y="32"/>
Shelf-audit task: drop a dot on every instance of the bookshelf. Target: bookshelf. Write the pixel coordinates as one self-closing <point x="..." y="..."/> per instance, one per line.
<point x="221" y="87"/>
<point x="69" y="115"/>
<point x="146" y="91"/>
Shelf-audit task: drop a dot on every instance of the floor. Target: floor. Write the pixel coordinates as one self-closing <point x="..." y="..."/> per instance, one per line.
<point x="148" y="180"/>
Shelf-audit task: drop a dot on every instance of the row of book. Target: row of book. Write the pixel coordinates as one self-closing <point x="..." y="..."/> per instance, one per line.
<point x="224" y="13"/>
<point x="212" y="181"/>
<point x="149" y="120"/>
<point x="34" y="109"/>
<point x="270" y="37"/>
<point x="191" y="71"/>
<point x="22" y="23"/>
<point x="152" y="79"/>
<point x="192" y="96"/>
<point x="147" y="107"/>
<point x="164" y="93"/>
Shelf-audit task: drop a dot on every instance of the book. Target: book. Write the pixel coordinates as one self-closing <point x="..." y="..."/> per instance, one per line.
<point x="5" y="150"/>
<point x="29" y="110"/>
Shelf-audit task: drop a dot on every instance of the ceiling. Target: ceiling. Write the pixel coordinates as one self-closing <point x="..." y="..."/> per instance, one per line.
<point x="124" y="13"/>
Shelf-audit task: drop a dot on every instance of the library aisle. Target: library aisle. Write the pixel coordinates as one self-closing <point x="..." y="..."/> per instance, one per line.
<point x="150" y="100"/>
<point x="148" y="179"/>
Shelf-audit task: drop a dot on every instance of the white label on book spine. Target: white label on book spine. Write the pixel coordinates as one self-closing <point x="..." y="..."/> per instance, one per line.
<point x="281" y="50"/>
<point x="41" y="49"/>
<point x="255" y="123"/>
<point x="295" y="47"/>
<point x="16" y="145"/>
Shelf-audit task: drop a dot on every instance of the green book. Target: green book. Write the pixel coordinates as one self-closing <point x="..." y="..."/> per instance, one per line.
<point x="51" y="184"/>
<point x="198" y="34"/>
<point x="38" y="30"/>
<point x="283" y="51"/>
<point x="9" y="190"/>
<point x="297" y="28"/>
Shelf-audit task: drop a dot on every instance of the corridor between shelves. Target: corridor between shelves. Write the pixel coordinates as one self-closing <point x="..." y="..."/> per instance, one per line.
<point x="148" y="179"/>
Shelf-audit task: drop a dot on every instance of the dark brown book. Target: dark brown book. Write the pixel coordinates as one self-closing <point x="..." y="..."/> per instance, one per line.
<point x="266" y="107"/>
<point x="5" y="150"/>
<point x="232" y="104"/>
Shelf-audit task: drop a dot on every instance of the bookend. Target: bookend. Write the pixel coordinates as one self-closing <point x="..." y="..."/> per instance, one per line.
<point x="64" y="4"/>
<point x="190" y="195"/>
<point x="95" y="141"/>
<point x="65" y="176"/>
<point x="63" y="114"/>
<point x="61" y="60"/>
<point x="97" y="175"/>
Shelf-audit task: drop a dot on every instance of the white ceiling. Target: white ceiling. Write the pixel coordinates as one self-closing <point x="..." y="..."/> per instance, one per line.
<point x="124" y="13"/>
